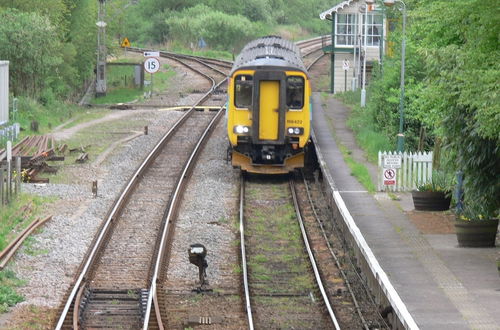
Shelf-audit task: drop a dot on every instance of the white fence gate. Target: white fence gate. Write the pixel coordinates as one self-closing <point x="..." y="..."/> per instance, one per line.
<point x="413" y="169"/>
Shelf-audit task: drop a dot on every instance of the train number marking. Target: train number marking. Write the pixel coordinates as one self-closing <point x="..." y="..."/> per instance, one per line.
<point x="294" y="121"/>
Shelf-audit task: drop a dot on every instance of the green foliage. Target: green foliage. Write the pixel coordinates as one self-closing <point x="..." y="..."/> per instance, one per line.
<point x="219" y="30"/>
<point x="451" y="89"/>
<point x="362" y="122"/>
<point x="154" y="21"/>
<point x="441" y="181"/>
<point x="8" y="296"/>
<point x="31" y="43"/>
<point x="53" y="114"/>
<point x="82" y="37"/>
<point x="51" y="45"/>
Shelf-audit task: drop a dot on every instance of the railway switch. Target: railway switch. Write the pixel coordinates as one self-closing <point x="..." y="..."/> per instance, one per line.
<point x="197" y="253"/>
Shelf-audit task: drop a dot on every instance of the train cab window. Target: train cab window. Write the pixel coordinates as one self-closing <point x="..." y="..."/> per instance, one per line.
<point x="243" y="89"/>
<point x="295" y="92"/>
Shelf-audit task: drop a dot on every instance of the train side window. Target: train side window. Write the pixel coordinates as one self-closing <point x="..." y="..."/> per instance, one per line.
<point x="295" y="92"/>
<point x="243" y="89"/>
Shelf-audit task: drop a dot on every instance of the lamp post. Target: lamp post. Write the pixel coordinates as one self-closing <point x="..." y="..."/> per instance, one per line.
<point x="100" y="86"/>
<point x="401" y="136"/>
<point x="363" y="90"/>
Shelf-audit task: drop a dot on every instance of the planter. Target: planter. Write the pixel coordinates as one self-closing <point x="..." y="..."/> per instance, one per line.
<point x="476" y="233"/>
<point x="430" y="200"/>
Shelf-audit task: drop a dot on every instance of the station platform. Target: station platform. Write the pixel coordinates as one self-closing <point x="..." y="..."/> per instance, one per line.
<point x="442" y="285"/>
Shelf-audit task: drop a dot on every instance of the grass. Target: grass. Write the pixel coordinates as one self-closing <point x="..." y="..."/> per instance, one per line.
<point x="8" y="295"/>
<point x="18" y="215"/>
<point x="119" y="95"/>
<point x="13" y="219"/>
<point x="279" y="250"/>
<point x="121" y="88"/>
<point x="361" y="122"/>
<point x="95" y="139"/>
<point x="48" y="116"/>
<point x="358" y="170"/>
<point x="215" y="54"/>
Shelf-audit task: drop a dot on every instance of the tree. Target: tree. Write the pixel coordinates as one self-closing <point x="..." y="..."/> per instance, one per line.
<point x="30" y="42"/>
<point x="452" y="90"/>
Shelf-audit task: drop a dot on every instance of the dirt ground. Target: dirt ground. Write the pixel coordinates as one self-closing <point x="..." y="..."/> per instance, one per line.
<point x="433" y="222"/>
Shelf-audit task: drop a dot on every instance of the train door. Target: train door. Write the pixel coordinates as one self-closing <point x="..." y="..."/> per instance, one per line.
<point x="269" y="109"/>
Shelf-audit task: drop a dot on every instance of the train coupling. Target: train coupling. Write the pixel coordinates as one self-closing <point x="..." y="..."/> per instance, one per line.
<point x="268" y="153"/>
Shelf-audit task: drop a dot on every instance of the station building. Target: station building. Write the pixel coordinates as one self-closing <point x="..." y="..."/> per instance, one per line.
<point x="348" y="19"/>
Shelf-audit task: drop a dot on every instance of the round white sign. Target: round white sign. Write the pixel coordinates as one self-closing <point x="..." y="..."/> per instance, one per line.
<point x="151" y="65"/>
<point x="345" y="65"/>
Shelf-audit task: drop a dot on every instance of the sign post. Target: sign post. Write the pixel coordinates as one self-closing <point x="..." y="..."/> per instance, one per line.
<point x="390" y="164"/>
<point x="151" y="65"/>
<point x="345" y="66"/>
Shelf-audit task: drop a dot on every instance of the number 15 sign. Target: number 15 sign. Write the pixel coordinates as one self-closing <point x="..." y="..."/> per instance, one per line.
<point x="151" y="65"/>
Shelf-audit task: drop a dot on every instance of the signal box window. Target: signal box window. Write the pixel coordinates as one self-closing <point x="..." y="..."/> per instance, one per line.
<point x="295" y="92"/>
<point x="243" y="89"/>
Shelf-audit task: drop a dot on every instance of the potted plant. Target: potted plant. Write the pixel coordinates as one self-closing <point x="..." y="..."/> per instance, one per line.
<point x="434" y="195"/>
<point x="475" y="226"/>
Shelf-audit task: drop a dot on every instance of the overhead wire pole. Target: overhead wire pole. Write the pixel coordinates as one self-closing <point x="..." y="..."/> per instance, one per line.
<point x="100" y="86"/>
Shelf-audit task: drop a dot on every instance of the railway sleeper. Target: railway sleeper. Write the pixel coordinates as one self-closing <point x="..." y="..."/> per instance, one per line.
<point x="105" y="308"/>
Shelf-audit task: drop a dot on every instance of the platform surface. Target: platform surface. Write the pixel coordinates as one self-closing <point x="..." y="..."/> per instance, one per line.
<point x="442" y="285"/>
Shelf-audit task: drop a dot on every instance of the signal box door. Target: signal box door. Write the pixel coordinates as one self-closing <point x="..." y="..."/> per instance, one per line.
<point x="269" y="109"/>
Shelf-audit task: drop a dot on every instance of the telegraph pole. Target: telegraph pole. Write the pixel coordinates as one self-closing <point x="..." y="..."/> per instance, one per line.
<point x="100" y="86"/>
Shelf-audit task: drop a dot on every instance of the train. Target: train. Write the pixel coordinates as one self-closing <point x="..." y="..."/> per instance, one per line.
<point x="269" y="108"/>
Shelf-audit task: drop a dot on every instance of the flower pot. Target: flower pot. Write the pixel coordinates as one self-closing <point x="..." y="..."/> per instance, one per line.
<point x="430" y="200"/>
<point x="476" y="233"/>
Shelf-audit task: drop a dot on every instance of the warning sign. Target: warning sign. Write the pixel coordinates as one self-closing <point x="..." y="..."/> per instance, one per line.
<point x="389" y="177"/>
<point x="125" y="43"/>
<point x="392" y="161"/>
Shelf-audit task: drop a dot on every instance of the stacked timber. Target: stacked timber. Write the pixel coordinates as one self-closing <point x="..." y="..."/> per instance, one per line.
<point x="34" y="152"/>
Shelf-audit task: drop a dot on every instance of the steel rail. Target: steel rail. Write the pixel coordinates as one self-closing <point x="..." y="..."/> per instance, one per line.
<point x="311" y="257"/>
<point x="171" y="211"/>
<point x="315" y="61"/>
<point x="164" y="54"/>
<point x="117" y="206"/>
<point x="337" y="262"/>
<point x="243" y="255"/>
<point x="120" y="201"/>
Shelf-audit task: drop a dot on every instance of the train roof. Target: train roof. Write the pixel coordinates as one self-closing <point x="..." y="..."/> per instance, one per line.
<point x="268" y="51"/>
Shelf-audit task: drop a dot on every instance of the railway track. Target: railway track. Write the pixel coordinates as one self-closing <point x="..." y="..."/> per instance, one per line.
<point x="283" y="288"/>
<point x="116" y="283"/>
<point x="296" y="272"/>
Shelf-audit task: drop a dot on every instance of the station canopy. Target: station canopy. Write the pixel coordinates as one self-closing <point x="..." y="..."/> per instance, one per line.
<point x="327" y="14"/>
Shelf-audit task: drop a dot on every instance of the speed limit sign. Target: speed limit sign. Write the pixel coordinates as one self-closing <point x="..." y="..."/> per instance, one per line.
<point x="151" y="65"/>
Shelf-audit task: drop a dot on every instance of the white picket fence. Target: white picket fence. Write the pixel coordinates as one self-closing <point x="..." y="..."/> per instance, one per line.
<point x="416" y="168"/>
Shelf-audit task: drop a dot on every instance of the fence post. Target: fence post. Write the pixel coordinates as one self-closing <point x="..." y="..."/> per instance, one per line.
<point x="2" y="187"/>
<point x="9" y="181"/>
<point x="379" y="186"/>
<point x="18" y="175"/>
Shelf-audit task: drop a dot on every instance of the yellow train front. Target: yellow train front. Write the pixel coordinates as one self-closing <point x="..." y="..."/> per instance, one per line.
<point x="268" y="111"/>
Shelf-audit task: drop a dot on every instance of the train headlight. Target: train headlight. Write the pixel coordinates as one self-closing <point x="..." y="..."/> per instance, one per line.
<point x="295" y="130"/>
<point x="240" y="129"/>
